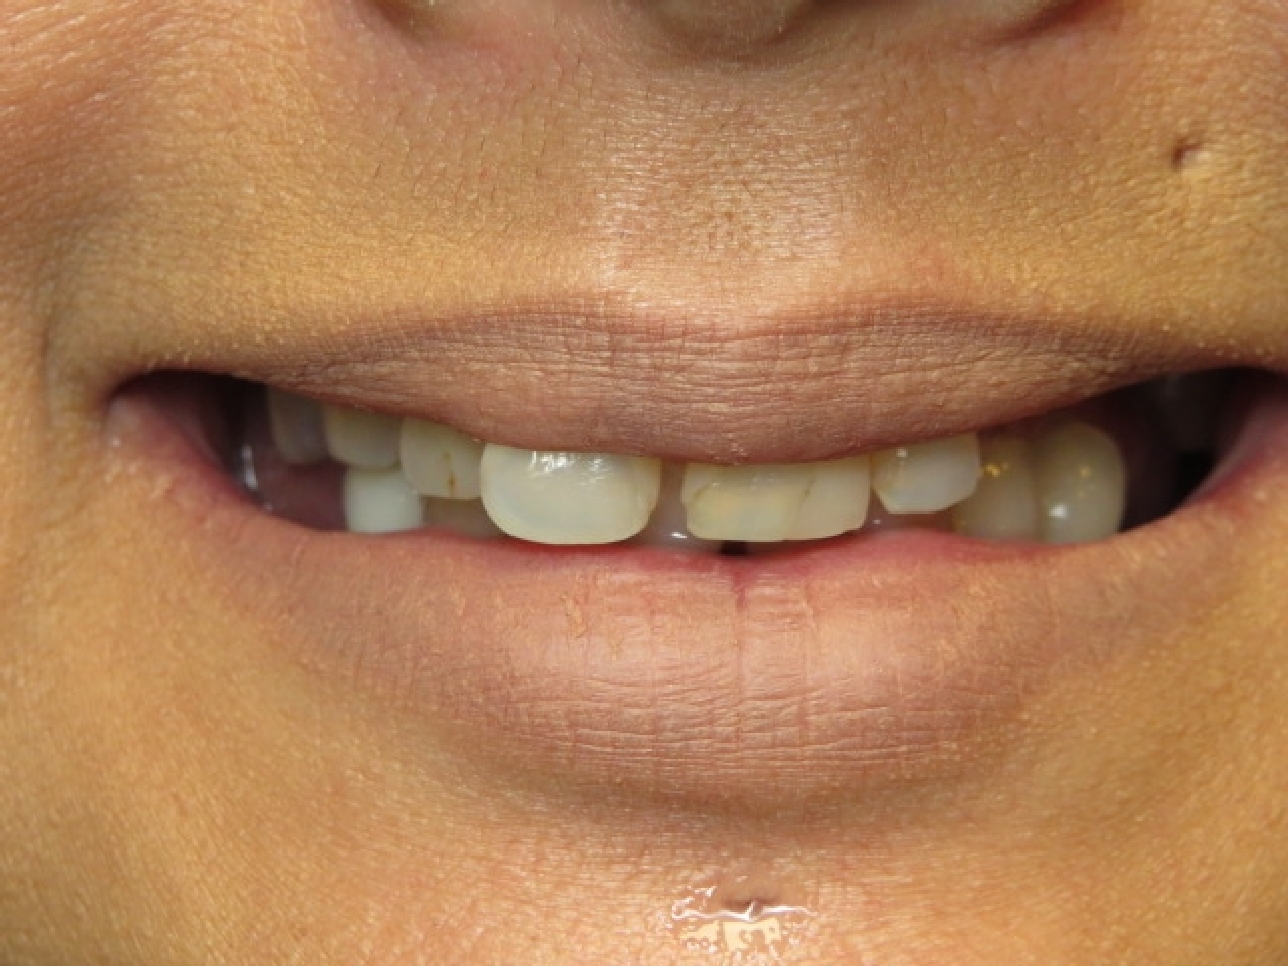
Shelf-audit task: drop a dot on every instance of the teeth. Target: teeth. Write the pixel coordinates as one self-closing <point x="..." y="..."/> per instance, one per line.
<point x="1004" y="505"/>
<point x="806" y="501"/>
<point x="568" y="498"/>
<point x="1081" y="484"/>
<point x="927" y="477"/>
<point x="668" y="526"/>
<point x="439" y="461"/>
<point x="297" y="428"/>
<point x="363" y="439"/>
<point x="380" y="501"/>
<point x="1067" y="485"/>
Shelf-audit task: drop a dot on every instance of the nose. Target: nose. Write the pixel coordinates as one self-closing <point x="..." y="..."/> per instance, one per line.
<point x="728" y="26"/>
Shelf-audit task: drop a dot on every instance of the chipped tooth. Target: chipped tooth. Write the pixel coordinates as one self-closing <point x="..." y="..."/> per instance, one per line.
<point x="568" y="498"/>
<point x="297" y="428"/>
<point x="1081" y="483"/>
<point x="464" y="517"/>
<point x="668" y="526"/>
<point x="360" y="438"/>
<point x="927" y="477"/>
<point x="380" y="501"/>
<point x="440" y="461"/>
<point x="766" y="503"/>
<point x="1004" y="506"/>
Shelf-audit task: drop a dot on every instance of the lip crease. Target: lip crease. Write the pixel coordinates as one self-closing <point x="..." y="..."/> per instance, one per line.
<point x="854" y="663"/>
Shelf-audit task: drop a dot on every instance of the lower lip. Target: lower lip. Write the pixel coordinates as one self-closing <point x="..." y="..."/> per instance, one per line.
<point x="704" y="678"/>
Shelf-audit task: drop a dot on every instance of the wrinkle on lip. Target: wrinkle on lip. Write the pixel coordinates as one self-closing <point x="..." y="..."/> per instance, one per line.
<point x="713" y="389"/>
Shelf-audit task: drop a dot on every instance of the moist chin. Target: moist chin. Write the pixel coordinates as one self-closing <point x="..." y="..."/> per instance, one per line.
<point x="1073" y="476"/>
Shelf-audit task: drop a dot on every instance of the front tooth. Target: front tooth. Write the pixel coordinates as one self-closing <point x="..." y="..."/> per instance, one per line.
<point x="380" y="501"/>
<point x="568" y="498"/>
<point x="1081" y="483"/>
<point x="1004" y="505"/>
<point x="772" y="502"/>
<point x="359" y="438"/>
<point x="440" y="461"/>
<point x="927" y="477"/>
<point x="297" y="428"/>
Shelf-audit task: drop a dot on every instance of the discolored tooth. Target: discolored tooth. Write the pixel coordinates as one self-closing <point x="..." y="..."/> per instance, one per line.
<point x="467" y="518"/>
<point x="359" y="438"/>
<point x="568" y="498"/>
<point x="772" y="502"/>
<point x="927" y="477"/>
<point x="440" y="461"/>
<point x="1081" y="483"/>
<point x="1004" y="505"/>
<point x="380" y="501"/>
<point x="297" y="427"/>
<point x="668" y="525"/>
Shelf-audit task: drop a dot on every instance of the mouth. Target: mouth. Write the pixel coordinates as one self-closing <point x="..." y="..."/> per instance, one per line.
<point x="810" y="589"/>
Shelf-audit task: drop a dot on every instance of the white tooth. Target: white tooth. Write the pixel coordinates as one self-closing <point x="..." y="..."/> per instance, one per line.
<point x="440" y="461"/>
<point x="296" y="425"/>
<point x="927" y="477"/>
<point x="380" y="501"/>
<point x="771" y="502"/>
<point x="1005" y="504"/>
<point x="568" y="498"/>
<point x="464" y="517"/>
<point x="359" y="438"/>
<point x="668" y="526"/>
<point x="1081" y="483"/>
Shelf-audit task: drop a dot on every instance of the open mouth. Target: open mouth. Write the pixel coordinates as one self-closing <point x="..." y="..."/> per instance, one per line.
<point x="703" y="611"/>
<point x="1075" y="475"/>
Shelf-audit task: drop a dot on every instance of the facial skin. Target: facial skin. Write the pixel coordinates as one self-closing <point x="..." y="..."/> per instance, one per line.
<point x="178" y="784"/>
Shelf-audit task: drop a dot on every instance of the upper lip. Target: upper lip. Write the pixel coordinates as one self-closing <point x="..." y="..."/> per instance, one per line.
<point x="598" y="375"/>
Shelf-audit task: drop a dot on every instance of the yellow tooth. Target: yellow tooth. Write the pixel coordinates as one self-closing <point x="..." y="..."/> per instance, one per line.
<point x="1081" y="483"/>
<point x="772" y="502"/>
<point x="1004" y="505"/>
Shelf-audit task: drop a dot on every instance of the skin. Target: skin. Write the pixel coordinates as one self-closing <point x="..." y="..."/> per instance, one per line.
<point x="174" y="788"/>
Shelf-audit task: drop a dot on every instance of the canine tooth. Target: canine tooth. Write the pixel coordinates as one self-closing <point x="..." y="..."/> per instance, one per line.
<point x="1081" y="483"/>
<point x="380" y="501"/>
<point x="568" y="498"/>
<point x="1004" y="505"/>
<point x="363" y="439"/>
<point x="297" y="427"/>
<point x="772" y="502"/>
<point x="464" y="517"/>
<point x="927" y="477"/>
<point x="440" y="461"/>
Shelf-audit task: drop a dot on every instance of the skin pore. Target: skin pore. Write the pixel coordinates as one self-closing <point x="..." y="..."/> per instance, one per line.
<point x="242" y="187"/>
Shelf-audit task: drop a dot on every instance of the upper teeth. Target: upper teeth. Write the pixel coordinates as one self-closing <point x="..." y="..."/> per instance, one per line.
<point x="1064" y="484"/>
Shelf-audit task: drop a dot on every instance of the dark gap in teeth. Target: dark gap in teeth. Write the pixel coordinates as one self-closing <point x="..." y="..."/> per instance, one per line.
<point x="1166" y="430"/>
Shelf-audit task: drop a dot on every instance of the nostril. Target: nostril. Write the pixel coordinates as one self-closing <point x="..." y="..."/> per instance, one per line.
<point x="730" y="26"/>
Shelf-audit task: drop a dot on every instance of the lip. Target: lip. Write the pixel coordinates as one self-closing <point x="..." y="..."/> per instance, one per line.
<point x="851" y="665"/>
<point x="698" y="383"/>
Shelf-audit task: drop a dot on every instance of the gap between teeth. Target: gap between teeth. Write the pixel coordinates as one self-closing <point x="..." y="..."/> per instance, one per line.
<point x="1062" y="483"/>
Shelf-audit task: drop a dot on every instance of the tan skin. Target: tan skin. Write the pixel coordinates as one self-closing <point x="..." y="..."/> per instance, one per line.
<point x="175" y="787"/>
